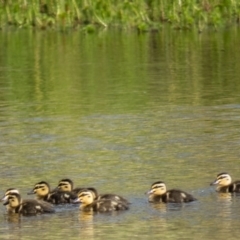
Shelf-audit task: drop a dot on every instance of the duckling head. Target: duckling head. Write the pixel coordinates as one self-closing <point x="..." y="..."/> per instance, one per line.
<point x="157" y="189"/>
<point x="41" y="189"/>
<point x="222" y="180"/>
<point x="85" y="197"/>
<point x="65" y="185"/>
<point x="7" y="193"/>
<point x="12" y="199"/>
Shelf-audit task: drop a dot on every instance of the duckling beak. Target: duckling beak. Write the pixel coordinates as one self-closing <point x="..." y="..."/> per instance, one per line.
<point x="5" y="200"/>
<point x="149" y="192"/>
<point x="76" y="200"/>
<point x="6" y="203"/>
<point x="214" y="182"/>
<point x="31" y="192"/>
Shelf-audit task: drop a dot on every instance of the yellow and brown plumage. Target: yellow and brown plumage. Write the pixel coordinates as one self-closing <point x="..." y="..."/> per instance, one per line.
<point x="8" y="192"/>
<point x="43" y="192"/>
<point x="159" y="193"/>
<point x="88" y="203"/>
<point x="15" y="204"/>
<point x="225" y="185"/>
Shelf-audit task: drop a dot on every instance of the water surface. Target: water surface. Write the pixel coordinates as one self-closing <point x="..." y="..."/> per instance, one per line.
<point x="119" y="111"/>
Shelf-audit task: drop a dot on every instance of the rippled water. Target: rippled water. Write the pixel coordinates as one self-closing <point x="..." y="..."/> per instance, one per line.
<point x="119" y="111"/>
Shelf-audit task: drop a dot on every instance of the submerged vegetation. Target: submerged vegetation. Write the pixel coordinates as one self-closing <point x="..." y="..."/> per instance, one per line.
<point x="140" y="14"/>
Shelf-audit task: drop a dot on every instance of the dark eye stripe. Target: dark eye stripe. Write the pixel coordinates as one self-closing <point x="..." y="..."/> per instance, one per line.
<point x="222" y="177"/>
<point x="37" y="187"/>
<point x="62" y="184"/>
<point x="157" y="187"/>
<point x="83" y="194"/>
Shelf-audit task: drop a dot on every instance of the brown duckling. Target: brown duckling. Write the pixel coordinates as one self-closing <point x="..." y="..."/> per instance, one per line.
<point x="67" y="185"/>
<point x="15" y="204"/>
<point x="88" y="203"/>
<point x="159" y="193"/>
<point x="225" y="185"/>
<point x="42" y="191"/>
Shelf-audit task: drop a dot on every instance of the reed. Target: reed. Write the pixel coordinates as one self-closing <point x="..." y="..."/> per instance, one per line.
<point x="139" y="14"/>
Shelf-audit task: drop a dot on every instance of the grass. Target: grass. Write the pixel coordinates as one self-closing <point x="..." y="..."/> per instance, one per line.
<point x="137" y="14"/>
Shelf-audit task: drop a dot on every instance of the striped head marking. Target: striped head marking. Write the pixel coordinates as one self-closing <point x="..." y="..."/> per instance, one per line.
<point x="8" y="192"/>
<point x="41" y="189"/>
<point x="158" y="188"/>
<point x="65" y="185"/>
<point x="86" y="197"/>
<point x="222" y="180"/>
<point x="13" y="199"/>
<point x="11" y="190"/>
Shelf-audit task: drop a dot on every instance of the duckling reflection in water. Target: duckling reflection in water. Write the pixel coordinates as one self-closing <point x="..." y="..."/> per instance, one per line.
<point x="15" y="204"/>
<point x="86" y="225"/>
<point x="43" y="192"/>
<point x="225" y="185"/>
<point x="66" y="185"/>
<point x="159" y="193"/>
<point x="160" y="206"/>
<point x="89" y="204"/>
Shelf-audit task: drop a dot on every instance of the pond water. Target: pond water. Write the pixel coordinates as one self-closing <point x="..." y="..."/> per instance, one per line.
<point x="119" y="111"/>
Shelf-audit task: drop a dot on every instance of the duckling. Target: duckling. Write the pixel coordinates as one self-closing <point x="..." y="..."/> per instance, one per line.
<point x="16" y="204"/>
<point x="67" y="185"/>
<point x="159" y="193"/>
<point x="88" y="203"/>
<point x="225" y="184"/>
<point x="42" y="191"/>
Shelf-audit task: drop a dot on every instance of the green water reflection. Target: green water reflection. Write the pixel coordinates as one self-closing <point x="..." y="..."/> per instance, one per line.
<point x="118" y="71"/>
<point x="118" y="111"/>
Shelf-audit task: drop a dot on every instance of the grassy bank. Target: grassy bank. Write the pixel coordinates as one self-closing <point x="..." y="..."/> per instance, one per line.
<point x="140" y="14"/>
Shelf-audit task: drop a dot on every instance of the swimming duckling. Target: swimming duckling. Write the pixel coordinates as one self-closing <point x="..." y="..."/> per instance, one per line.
<point x="225" y="185"/>
<point x="86" y="198"/>
<point x="42" y="191"/>
<point x="159" y="193"/>
<point x="67" y="185"/>
<point x="26" y="207"/>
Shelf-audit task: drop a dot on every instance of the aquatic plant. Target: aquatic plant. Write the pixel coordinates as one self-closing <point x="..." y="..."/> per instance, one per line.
<point x="140" y="14"/>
